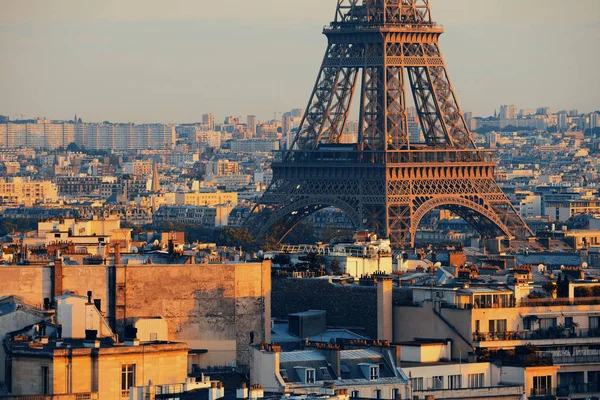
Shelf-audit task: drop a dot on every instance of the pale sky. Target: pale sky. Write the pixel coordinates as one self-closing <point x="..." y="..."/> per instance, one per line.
<point x="171" y="61"/>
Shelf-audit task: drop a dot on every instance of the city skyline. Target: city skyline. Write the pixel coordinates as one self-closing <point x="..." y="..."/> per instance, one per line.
<point x="122" y="62"/>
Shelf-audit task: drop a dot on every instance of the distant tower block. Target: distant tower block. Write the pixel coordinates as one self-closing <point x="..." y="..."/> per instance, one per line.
<point x="378" y="49"/>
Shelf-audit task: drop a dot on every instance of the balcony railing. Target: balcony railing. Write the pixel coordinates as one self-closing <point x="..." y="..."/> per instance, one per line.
<point x="473" y="393"/>
<point x="77" y="396"/>
<point x="540" y="334"/>
<point x="582" y="358"/>
<point x="576" y="301"/>
<point x="537" y="393"/>
<point x="578" y="388"/>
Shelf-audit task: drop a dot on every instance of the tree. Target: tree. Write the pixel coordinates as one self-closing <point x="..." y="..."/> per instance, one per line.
<point x="550" y="288"/>
<point x="283" y="260"/>
<point x="313" y="262"/>
<point x="73" y="147"/>
<point x="335" y="267"/>
<point x="237" y="238"/>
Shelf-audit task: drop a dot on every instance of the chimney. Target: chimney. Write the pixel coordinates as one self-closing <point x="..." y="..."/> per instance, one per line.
<point x="117" y="253"/>
<point x="384" y="309"/>
<point x="89" y="296"/>
<point x="242" y="392"/>
<point x="215" y="392"/>
<point x="58" y="276"/>
<point x="333" y="357"/>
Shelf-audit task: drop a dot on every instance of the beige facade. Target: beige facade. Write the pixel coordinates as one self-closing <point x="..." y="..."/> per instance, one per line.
<point x="85" y="370"/>
<point x="23" y="192"/>
<point x="206" y="199"/>
<point x="562" y="332"/>
<point x="214" y="307"/>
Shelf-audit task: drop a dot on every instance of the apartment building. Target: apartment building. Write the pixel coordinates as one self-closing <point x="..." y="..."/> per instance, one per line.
<point x="491" y="321"/>
<point x="206" y="198"/>
<point x="77" y="354"/>
<point x="20" y="191"/>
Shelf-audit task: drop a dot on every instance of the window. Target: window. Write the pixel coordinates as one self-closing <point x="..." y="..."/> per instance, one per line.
<point x="594" y="323"/>
<point x="527" y="323"/>
<point x="310" y="375"/>
<point x="568" y="322"/>
<point x="417" y="383"/>
<point x="454" y="381"/>
<point x="542" y="385"/>
<point x="497" y="325"/>
<point x="437" y="383"/>
<point x="547" y="323"/>
<point x="355" y="394"/>
<point x="127" y="377"/>
<point x="283" y="373"/>
<point x="374" y="373"/>
<point x="377" y="394"/>
<point x="45" y="380"/>
<point x="477" y="326"/>
<point x="395" y="393"/>
<point x="476" y="380"/>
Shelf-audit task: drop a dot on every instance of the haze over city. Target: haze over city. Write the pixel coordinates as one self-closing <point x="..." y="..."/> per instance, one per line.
<point x="169" y="62"/>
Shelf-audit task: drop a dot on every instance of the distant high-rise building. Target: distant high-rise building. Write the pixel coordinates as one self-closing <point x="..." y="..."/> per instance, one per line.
<point x="526" y="112"/>
<point x="468" y="118"/>
<point x="286" y="124"/>
<point x="491" y="138"/>
<point x="508" y="112"/>
<point x="543" y="111"/>
<point x="296" y="113"/>
<point x="232" y="120"/>
<point x="562" y="120"/>
<point x="594" y="120"/>
<point x="573" y="113"/>
<point x="414" y="130"/>
<point x="251" y="124"/>
<point x="209" y="120"/>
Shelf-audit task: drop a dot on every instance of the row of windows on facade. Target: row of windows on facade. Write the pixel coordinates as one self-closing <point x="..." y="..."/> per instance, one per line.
<point x="127" y="378"/>
<point x="454" y="382"/>
<point x="500" y="325"/>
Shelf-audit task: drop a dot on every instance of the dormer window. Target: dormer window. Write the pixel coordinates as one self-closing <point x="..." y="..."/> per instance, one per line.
<point x="374" y="373"/>
<point x="310" y="375"/>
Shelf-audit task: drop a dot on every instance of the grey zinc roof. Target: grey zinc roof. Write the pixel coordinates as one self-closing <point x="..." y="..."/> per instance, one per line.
<point x="305" y="355"/>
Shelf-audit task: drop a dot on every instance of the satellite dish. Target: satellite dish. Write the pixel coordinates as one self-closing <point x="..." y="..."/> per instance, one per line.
<point x="584" y="265"/>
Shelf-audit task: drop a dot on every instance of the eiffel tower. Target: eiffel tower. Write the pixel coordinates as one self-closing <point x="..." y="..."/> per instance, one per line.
<point x="384" y="182"/>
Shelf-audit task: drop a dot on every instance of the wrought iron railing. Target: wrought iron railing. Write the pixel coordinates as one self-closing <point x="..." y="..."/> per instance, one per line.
<point x="540" y="334"/>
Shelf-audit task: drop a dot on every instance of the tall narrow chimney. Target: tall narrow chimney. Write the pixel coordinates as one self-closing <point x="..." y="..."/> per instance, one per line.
<point x="58" y="276"/>
<point x="117" y="253"/>
<point x="384" y="309"/>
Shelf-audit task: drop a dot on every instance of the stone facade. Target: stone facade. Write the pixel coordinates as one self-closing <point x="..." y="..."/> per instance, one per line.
<point x="215" y="307"/>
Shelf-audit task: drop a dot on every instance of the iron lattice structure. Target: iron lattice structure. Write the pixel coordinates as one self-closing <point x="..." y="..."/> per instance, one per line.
<point x="384" y="182"/>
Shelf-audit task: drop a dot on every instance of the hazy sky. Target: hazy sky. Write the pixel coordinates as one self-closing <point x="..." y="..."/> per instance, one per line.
<point x="172" y="61"/>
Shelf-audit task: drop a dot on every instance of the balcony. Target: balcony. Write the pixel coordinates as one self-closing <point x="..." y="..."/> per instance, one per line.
<point x="542" y="393"/>
<point x="578" y="357"/>
<point x="576" y="301"/>
<point x="473" y="393"/>
<point x="540" y="334"/>
<point x="578" y="388"/>
<point x="78" y="396"/>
